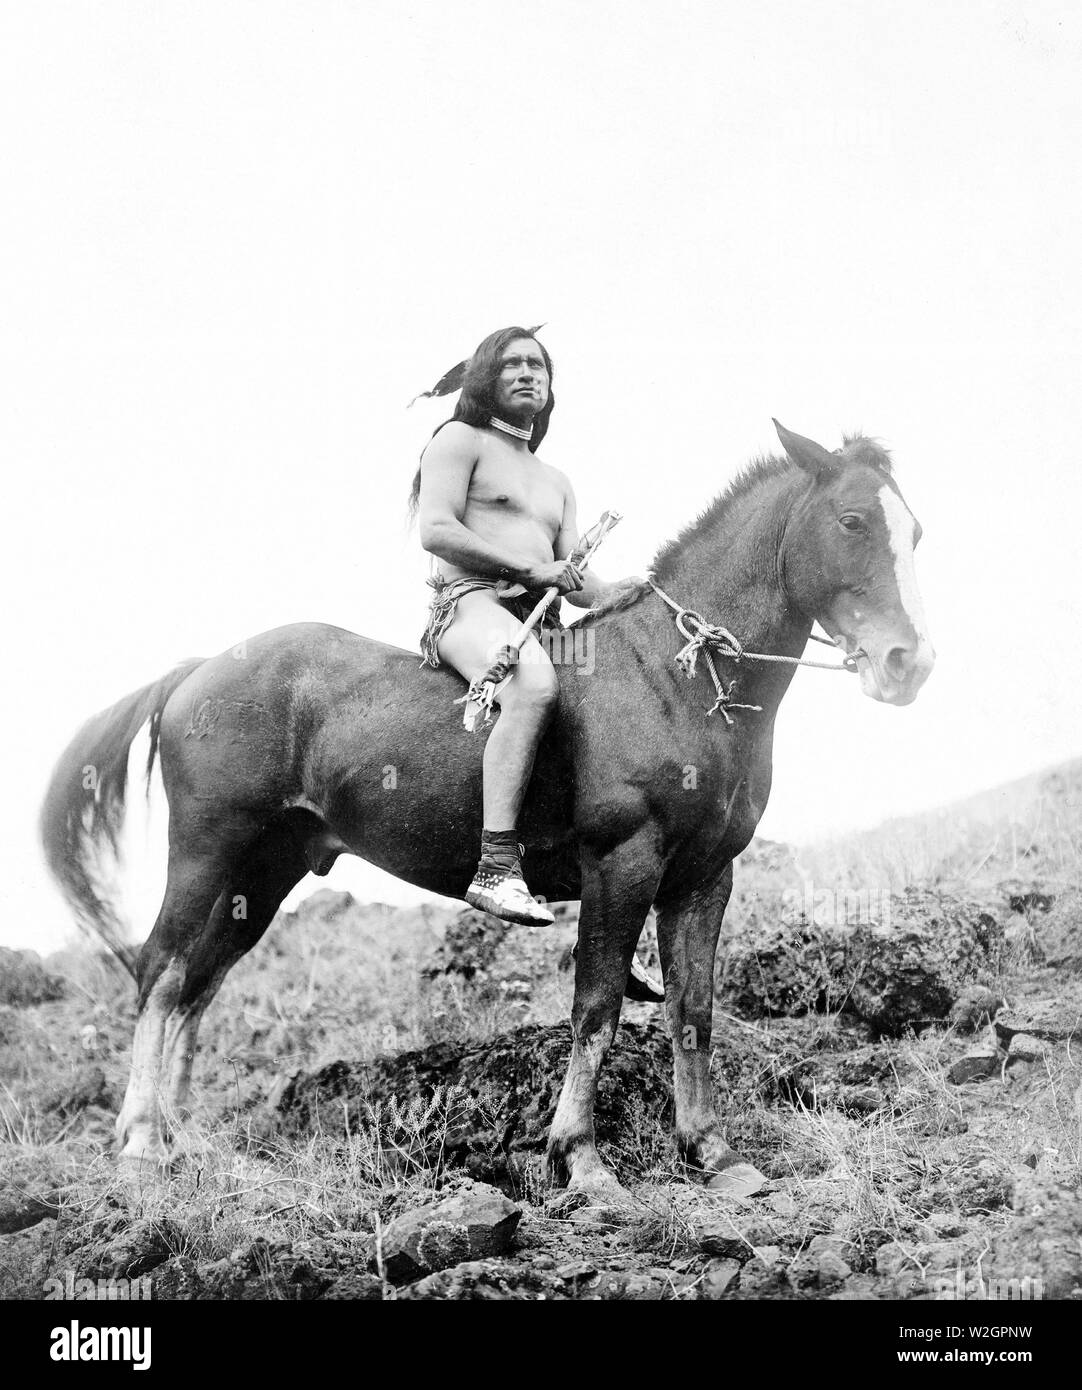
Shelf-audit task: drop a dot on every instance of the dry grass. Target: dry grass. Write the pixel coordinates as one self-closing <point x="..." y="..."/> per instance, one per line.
<point x="1026" y="829"/>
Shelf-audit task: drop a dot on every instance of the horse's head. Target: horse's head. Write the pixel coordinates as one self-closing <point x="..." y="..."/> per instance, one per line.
<point x="848" y="562"/>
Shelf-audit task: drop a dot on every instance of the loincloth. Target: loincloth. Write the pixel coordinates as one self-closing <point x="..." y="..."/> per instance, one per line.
<point x="441" y="611"/>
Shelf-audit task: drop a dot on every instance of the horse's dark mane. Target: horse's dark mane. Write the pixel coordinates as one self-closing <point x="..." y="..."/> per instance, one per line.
<point x="747" y="480"/>
<point x="856" y="448"/>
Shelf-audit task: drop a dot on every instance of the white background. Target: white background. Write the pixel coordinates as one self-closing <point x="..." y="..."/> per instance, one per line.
<point x="238" y="237"/>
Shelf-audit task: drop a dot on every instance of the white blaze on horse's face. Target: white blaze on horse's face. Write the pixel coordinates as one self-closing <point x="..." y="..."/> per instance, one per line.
<point x="849" y="563"/>
<point x="898" y="655"/>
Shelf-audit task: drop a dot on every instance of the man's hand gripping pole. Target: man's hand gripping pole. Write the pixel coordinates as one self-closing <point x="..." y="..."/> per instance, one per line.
<point x="482" y="693"/>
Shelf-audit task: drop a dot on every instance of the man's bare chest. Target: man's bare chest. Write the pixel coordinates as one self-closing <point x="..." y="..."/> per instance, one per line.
<point x="519" y="488"/>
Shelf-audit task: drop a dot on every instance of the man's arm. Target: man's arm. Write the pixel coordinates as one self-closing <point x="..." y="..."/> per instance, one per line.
<point x="593" y="588"/>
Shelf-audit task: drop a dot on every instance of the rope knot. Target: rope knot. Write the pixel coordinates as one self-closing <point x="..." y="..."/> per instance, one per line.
<point x="725" y="702"/>
<point x="709" y="638"/>
<point x="703" y="637"/>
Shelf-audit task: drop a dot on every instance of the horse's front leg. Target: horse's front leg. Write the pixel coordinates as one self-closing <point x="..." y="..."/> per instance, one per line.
<point x="687" y="936"/>
<point x="617" y="890"/>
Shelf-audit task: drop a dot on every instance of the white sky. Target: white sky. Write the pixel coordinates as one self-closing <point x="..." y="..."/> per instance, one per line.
<point x="238" y="237"/>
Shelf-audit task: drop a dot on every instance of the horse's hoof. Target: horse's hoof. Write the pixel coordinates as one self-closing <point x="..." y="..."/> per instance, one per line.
<point x="593" y="1203"/>
<point x="641" y="985"/>
<point x="740" y="1179"/>
<point x="145" y="1159"/>
<point x="595" y="1188"/>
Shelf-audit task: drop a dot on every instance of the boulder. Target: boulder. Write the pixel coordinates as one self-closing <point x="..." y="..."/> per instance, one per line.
<point x="977" y="1065"/>
<point x="718" y="1276"/>
<point x="1054" y="1020"/>
<point x="822" y="1264"/>
<point x="500" y="1280"/>
<point x="736" y="1237"/>
<point x="474" y="1223"/>
<point x="905" y="969"/>
<point x="485" y="1107"/>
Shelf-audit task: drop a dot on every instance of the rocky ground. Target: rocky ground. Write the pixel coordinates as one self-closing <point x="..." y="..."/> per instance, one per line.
<point x="897" y="1047"/>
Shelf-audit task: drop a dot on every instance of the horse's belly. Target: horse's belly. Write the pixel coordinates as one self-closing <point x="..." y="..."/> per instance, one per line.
<point x="443" y="857"/>
<point x="412" y="805"/>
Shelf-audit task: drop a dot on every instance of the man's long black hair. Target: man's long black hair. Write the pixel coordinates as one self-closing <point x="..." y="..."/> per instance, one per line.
<point x="477" y="401"/>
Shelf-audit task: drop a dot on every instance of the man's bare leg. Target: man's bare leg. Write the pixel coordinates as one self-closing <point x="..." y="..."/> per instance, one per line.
<point x="509" y="760"/>
<point x="481" y="626"/>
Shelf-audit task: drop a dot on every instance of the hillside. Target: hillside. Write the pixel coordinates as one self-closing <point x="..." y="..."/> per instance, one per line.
<point x="897" y="1044"/>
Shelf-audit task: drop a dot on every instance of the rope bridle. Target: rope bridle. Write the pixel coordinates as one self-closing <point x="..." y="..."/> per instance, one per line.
<point x="711" y="638"/>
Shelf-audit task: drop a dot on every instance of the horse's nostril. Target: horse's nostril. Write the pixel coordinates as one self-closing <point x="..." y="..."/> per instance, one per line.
<point x="897" y="663"/>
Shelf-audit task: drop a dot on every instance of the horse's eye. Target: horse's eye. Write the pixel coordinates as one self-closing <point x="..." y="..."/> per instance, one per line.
<point x="851" y="522"/>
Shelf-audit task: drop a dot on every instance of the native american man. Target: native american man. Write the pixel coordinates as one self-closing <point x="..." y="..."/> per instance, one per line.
<point x="501" y="524"/>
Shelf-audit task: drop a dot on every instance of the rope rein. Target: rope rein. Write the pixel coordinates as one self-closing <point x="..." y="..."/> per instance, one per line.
<point x="710" y="638"/>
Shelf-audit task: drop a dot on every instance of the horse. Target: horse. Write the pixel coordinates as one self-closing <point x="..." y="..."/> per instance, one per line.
<point x="309" y="741"/>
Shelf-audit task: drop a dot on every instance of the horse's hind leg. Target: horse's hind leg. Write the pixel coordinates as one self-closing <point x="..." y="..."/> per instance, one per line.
<point x="192" y="889"/>
<point x="139" y="1124"/>
<point x="245" y="908"/>
<point x="198" y="866"/>
<point x="687" y="936"/>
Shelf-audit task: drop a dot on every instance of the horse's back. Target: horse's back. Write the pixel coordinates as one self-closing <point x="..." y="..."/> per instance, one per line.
<point x="291" y="663"/>
<point x="255" y="707"/>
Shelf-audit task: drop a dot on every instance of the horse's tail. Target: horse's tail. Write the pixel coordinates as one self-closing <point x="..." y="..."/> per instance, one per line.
<point x="83" y="812"/>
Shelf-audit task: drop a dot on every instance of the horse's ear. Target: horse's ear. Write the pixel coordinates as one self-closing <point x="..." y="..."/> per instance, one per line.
<point x="805" y="453"/>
